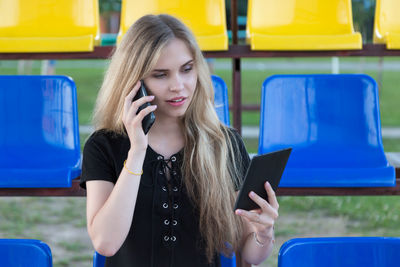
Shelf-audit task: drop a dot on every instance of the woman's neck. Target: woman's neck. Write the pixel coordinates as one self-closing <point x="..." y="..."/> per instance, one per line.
<point x="166" y="136"/>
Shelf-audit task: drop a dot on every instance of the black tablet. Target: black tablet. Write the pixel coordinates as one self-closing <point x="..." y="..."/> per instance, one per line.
<point x="267" y="167"/>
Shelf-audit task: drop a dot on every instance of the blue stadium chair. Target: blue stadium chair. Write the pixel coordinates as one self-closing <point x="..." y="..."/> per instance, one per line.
<point x="227" y="261"/>
<point x="24" y="253"/>
<point x="39" y="137"/>
<point x="332" y="122"/>
<point x="99" y="260"/>
<point x="340" y="251"/>
<point x="221" y="102"/>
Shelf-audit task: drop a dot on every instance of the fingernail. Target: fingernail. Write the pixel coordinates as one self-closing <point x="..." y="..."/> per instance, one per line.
<point x="151" y="96"/>
<point x="252" y="194"/>
<point x="238" y="212"/>
<point x="154" y="106"/>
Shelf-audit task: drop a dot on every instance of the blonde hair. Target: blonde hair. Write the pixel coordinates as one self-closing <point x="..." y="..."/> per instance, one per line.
<point x="210" y="169"/>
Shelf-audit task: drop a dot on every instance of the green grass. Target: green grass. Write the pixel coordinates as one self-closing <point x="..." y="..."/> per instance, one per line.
<point x="13" y="216"/>
<point x="367" y="215"/>
<point x="391" y="145"/>
<point x="88" y="83"/>
<point x="83" y="138"/>
<point x="251" y="144"/>
<point x="71" y="246"/>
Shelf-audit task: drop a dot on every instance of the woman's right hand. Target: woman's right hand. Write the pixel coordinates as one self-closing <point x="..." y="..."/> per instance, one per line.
<point x="133" y="121"/>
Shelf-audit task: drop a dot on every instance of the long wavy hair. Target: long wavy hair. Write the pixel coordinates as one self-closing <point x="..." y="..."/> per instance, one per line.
<point x="210" y="169"/>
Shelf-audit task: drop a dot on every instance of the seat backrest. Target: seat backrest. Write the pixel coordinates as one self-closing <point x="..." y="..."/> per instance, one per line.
<point x="221" y="102"/>
<point x="40" y="130"/>
<point x="98" y="260"/>
<point x="386" y="19"/>
<point x="206" y="18"/>
<point x="340" y="251"/>
<point x="329" y="120"/>
<point x="300" y="17"/>
<point x="51" y="24"/>
<point x="24" y="253"/>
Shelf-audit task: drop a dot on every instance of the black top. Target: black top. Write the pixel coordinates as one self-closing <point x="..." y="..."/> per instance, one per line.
<point x="165" y="225"/>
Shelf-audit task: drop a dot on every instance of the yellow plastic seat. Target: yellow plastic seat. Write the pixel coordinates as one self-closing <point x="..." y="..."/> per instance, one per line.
<point x="301" y="25"/>
<point x="206" y="18"/>
<point x="387" y="23"/>
<point x="48" y="25"/>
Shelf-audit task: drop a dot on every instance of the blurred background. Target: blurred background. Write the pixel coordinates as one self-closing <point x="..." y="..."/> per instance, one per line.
<point x="61" y="222"/>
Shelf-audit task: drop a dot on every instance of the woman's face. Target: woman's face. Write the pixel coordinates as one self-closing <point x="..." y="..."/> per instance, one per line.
<point x="173" y="80"/>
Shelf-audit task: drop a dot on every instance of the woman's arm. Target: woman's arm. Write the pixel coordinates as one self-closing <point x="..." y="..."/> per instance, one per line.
<point x="110" y="208"/>
<point x="258" y="234"/>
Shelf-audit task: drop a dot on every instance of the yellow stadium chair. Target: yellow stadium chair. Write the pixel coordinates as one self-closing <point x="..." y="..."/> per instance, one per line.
<point x="301" y="25"/>
<point x="206" y="18"/>
<point x="40" y="26"/>
<point x="387" y="23"/>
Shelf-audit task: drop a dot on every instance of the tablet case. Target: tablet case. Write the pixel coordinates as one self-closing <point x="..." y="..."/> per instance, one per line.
<point x="267" y="167"/>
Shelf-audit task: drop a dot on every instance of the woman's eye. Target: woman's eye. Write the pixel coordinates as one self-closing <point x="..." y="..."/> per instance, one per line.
<point x="159" y="75"/>
<point x="188" y="68"/>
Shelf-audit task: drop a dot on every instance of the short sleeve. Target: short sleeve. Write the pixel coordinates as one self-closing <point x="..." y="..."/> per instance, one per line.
<point x="242" y="159"/>
<point x="97" y="163"/>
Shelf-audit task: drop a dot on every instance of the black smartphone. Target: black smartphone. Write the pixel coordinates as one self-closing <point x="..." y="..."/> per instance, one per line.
<point x="149" y="119"/>
<point x="267" y="167"/>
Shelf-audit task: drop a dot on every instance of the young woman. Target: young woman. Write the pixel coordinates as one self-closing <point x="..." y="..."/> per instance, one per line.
<point x="166" y="198"/>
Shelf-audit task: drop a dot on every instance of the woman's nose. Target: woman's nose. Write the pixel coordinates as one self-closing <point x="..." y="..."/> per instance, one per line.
<point x="176" y="83"/>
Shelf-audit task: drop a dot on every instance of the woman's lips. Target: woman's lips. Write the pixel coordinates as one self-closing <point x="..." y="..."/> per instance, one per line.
<point x="177" y="101"/>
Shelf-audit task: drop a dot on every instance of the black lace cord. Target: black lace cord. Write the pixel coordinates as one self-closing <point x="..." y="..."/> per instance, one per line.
<point x="156" y="165"/>
<point x="171" y="197"/>
<point x="174" y="200"/>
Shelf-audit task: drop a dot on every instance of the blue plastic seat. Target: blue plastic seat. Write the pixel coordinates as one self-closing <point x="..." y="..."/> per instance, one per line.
<point x="340" y="251"/>
<point x="99" y="260"/>
<point x="332" y="122"/>
<point x="24" y="253"/>
<point x="39" y="137"/>
<point x="227" y="262"/>
<point x="221" y="102"/>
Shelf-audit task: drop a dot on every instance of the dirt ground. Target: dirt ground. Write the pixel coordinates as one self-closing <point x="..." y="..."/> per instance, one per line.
<point x="61" y="223"/>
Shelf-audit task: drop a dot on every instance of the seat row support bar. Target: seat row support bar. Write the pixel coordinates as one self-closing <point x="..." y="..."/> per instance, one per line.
<point x="234" y="51"/>
<point x="76" y="191"/>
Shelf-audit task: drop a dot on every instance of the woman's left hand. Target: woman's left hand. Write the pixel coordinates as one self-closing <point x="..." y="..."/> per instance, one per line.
<point x="262" y="220"/>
